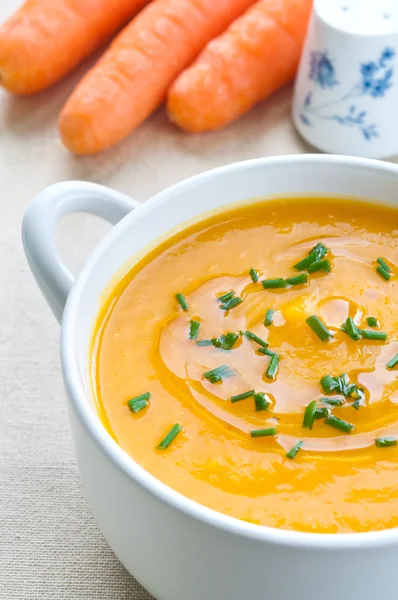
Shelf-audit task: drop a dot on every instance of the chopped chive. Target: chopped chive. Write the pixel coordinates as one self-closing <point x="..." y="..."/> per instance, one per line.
<point x="139" y="402"/>
<point x="266" y="351"/>
<point x="357" y="393"/>
<point x="254" y="275"/>
<point x="333" y="401"/>
<point x="392" y="362"/>
<point x="138" y="405"/>
<point x="339" y="424"/>
<point x="314" y="255"/>
<point x="342" y="380"/>
<point x="357" y="404"/>
<point x="217" y="374"/>
<point x="319" y="328"/>
<point x="274" y="283"/>
<point x="352" y="330"/>
<point x="243" y="396"/>
<point x="226" y="297"/>
<point x="293" y="451"/>
<point x="260" y="401"/>
<point x="182" y="302"/>
<point x="194" y="327"/>
<point x="383" y="273"/>
<point x="252" y="336"/>
<point x="272" y="367"/>
<point x="384" y="442"/>
<point x="262" y="432"/>
<point x="309" y="415"/>
<point x="383" y="264"/>
<point x="297" y="279"/>
<point x="174" y="431"/>
<point x="368" y="334"/>
<point x="204" y="343"/>
<point x="141" y="398"/>
<point x="322" y="413"/>
<point x="231" y="303"/>
<point x="320" y="265"/>
<point x="269" y="317"/>
<point x="225" y="342"/>
<point x="329" y="384"/>
<point x="372" y="322"/>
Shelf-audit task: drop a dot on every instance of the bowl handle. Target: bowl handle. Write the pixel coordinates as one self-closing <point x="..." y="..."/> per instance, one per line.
<point x="39" y="224"/>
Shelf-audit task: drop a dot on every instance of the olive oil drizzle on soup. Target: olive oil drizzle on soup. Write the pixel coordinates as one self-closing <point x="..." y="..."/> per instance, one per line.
<point x="250" y="363"/>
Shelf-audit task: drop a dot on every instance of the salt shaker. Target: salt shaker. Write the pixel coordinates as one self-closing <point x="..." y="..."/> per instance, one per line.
<point x="346" y="91"/>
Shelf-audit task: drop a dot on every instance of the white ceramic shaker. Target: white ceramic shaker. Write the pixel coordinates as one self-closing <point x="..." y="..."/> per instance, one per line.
<point x="346" y="92"/>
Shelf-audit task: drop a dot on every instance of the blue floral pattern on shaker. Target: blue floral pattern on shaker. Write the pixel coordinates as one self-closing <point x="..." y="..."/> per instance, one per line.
<point x="376" y="78"/>
<point x="322" y="70"/>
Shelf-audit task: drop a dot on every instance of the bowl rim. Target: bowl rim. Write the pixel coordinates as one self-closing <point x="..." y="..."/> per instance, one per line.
<point x="120" y="459"/>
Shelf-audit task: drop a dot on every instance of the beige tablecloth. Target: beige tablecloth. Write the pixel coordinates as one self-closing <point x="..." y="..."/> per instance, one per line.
<point x="50" y="545"/>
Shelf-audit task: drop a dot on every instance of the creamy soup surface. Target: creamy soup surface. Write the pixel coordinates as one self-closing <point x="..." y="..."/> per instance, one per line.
<point x="275" y="458"/>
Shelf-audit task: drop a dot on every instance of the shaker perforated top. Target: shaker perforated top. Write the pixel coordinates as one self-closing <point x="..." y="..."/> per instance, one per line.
<point x="361" y="17"/>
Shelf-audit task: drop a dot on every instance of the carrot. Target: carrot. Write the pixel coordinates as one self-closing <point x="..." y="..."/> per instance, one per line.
<point x="45" y="39"/>
<point x="255" y="56"/>
<point x="133" y="76"/>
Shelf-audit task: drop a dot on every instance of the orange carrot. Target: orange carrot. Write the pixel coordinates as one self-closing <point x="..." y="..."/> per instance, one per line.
<point x="133" y="76"/>
<point x="255" y="56"/>
<point x="46" y="39"/>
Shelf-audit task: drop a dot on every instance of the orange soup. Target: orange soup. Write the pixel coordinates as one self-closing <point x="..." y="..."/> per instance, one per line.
<point x="250" y="362"/>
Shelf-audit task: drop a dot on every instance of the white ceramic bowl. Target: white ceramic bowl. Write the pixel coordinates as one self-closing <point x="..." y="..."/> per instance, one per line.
<point x="178" y="549"/>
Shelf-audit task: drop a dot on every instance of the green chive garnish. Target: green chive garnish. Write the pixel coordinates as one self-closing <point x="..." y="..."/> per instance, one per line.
<point x="339" y="424"/>
<point x="383" y="264"/>
<point x="298" y="279"/>
<point x="139" y="402"/>
<point x="293" y="451"/>
<point x="182" y="302"/>
<point x="267" y="351"/>
<point x="231" y="303"/>
<point x="319" y="328"/>
<point x="333" y="401"/>
<point x="357" y="404"/>
<point x="194" y="327"/>
<point x="320" y="265"/>
<point x="372" y="322"/>
<point x="252" y="336"/>
<point x="392" y="362"/>
<point x="243" y="396"/>
<point x="273" y="283"/>
<point x="262" y="432"/>
<point x="218" y="374"/>
<point x="142" y="398"/>
<point x="261" y="402"/>
<point x="314" y="255"/>
<point x="368" y="334"/>
<point x="138" y="405"/>
<point x="174" y="431"/>
<point x="384" y="442"/>
<point x="254" y="275"/>
<point x="329" y="384"/>
<point x="352" y="329"/>
<point x="226" y="297"/>
<point x="204" y="343"/>
<point x="309" y="415"/>
<point x="322" y="413"/>
<point x="383" y="273"/>
<point x="225" y="342"/>
<point x="272" y="367"/>
<point x="269" y="317"/>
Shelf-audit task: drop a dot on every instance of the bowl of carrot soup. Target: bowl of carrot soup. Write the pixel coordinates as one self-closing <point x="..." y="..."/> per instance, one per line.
<point x="230" y="354"/>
